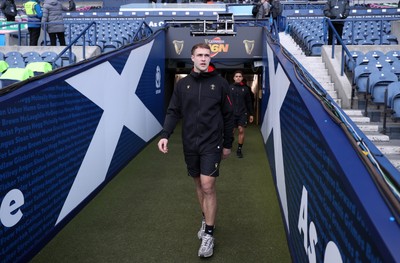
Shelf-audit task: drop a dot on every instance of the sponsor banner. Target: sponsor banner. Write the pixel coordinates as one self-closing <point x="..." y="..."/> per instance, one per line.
<point x="247" y="44"/>
<point x="331" y="207"/>
<point x="65" y="135"/>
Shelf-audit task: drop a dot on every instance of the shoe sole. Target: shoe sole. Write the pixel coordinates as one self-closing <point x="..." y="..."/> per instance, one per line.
<point x="209" y="254"/>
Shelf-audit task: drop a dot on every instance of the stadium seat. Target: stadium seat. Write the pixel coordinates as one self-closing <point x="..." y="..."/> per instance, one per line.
<point x="50" y="57"/>
<point x="361" y="74"/>
<point x="393" y="90"/>
<point x="395" y="100"/>
<point x="377" y="85"/>
<point x="109" y="46"/>
<point x="379" y="64"/>
<point x="394" y="55"/>
<point x="375" y="53"/>
<point x="350" y="61"/>
<point x="315" y="47"/>
<point x="391" y="38"/>
<point x="13" y="54"/>
<point x="15" y="62"/>
<point x="65" y="59"/>
<point x="364" y="60"/>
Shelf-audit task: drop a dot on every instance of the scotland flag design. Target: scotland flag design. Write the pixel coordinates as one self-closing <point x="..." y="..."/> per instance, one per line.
<point x="62" y="139"/>
<point x="317" y="175"/>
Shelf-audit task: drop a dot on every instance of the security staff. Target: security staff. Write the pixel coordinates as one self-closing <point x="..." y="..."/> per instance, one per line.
<point x="34" y="12"/>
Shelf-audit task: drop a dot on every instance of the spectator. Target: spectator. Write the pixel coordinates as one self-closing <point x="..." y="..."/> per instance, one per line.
<point x="337" y="10"/>
<point x="52" y="13"/>
<point x="9" y="9"/>
<point x="34" y="12"/>
<point x="71" y="5"/>
<point x="263" y="10"/>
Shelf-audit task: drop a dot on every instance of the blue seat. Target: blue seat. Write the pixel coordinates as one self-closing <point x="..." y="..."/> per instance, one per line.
<point x="50" y="57"/>
<point x="395" y="100"/>
<point x="375" y="53"/>
<point x="391" y="38"/>
<point x="350" y="61"/>
<point x="15" y="62"/>
<point x="13" y="54"/>
<point x="361" y="74"/>
<point x="377" y="85"/>
<point x="315" y="47"/>
<point x="394" y="54"/>
<point x="109" y="46"/>
<point x="379" y="64"/>
<point x="66" y="59"/>
<point x="393" y="90"/>
<point x="364" y="60"/>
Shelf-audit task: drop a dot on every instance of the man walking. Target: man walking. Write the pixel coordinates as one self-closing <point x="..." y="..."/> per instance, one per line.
<point x="202" y="101"/>
<point x="242" y="107"/>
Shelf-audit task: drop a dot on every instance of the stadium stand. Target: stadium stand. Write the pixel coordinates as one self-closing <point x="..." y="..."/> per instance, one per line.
<point x="377" y="85"/>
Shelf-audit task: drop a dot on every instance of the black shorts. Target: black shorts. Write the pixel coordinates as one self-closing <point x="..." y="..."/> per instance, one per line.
<point x="240" y="120"/>
<point x="206" y="164"/>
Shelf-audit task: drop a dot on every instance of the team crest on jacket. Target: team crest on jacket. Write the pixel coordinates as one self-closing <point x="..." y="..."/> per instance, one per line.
<point x="188" y="87"/>
<point x="212" y="87"/>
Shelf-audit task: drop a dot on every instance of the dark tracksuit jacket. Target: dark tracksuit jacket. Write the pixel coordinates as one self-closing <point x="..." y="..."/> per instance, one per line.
<point x="241" y="99"/>
<point x="202" y="101"/>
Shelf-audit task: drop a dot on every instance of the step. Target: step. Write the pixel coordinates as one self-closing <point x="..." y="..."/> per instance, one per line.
<point x="352" y="112"/>
<point x="376" y="137"/>
<point x="364" y="127"/>
<point x="360" y="119"/>
<point x="392" y="147"/>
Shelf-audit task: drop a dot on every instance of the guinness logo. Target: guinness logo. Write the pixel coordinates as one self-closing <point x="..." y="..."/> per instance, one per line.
<point x="248" y="46"/>
<point x="178" y="45"/>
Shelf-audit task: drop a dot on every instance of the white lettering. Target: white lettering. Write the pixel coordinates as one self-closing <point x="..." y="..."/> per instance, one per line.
<point x="10" y="214"/>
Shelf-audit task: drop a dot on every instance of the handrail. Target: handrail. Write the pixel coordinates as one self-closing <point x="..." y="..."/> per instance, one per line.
<point x="339" y="39"/>
<point x="71" y="43"/>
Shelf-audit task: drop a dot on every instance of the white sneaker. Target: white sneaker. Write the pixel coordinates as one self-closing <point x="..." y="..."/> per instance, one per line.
<point x="207" y="246"/>
<point x="200" y="234"/>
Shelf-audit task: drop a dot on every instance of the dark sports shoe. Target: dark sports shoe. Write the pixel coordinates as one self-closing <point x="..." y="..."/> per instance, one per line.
<point x="207" y="246"/>
<point x="239" y="154"/>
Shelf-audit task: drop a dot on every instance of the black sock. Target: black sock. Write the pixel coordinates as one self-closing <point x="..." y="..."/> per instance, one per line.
<point x="240" y="147"/>
<point x="209" y="230"/>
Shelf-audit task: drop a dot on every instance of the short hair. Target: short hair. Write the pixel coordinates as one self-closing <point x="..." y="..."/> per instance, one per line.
<point x="200" y="45"/>
<point x="238" y="71"/>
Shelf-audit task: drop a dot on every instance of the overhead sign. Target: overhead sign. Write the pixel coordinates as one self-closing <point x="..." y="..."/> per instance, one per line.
<point x="246" y="44"/>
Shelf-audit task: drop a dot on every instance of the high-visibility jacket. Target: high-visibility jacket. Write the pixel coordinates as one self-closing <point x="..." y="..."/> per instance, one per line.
<point x="34" y="13"/>
<point x="30" y="8"/>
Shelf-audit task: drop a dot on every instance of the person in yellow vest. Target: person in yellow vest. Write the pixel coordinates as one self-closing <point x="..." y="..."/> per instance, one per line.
<point x="34" y="12"/>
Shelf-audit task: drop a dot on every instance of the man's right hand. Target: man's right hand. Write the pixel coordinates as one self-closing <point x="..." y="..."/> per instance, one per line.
<point x="163" y="145"/>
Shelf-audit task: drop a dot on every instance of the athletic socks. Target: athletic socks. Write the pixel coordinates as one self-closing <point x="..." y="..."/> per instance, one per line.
<point x="240" y="147"/>
<point x="209" y="230"/>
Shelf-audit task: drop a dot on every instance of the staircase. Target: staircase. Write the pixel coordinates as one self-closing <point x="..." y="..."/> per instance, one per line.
<point x="317" y="68"/>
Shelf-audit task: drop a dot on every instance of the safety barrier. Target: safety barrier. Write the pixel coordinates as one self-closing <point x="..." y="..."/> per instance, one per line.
<point x="338" y="193"/>
<point x="64" y="135"/>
